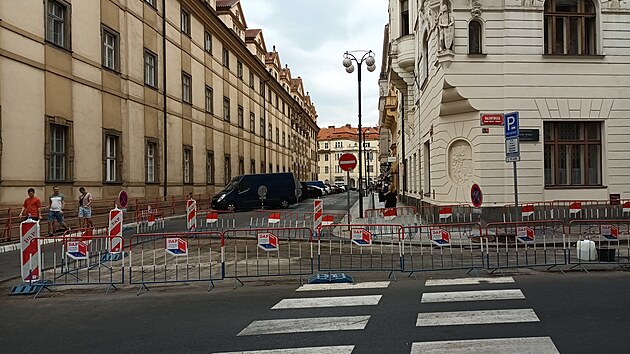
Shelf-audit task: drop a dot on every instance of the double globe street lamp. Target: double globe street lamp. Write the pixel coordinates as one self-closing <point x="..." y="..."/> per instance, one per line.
<point x="368" y="58"/>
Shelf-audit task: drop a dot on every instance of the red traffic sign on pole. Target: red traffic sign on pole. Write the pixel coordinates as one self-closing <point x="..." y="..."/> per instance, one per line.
<point x="123" y="199"/>
<point x="476" y="195"/>
<point x="347" y="162"/>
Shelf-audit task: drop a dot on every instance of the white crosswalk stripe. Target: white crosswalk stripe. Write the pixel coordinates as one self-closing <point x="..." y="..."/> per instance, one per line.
<point x="469" y="281"/>
<point x="338" y="301"/>
<point x="341" y="349"/>
<point x="315" y="324"/>
<point x="527" y="345"/>
<point x="479" y="295"/>
<point x="475" y="317"/>
<point x="344" y="286"/>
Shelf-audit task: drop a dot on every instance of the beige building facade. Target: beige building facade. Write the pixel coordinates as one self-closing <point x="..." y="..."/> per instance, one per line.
<point x="334" y="142"/>
<point x="156" y="97"/>
<point x="449" y="66"/>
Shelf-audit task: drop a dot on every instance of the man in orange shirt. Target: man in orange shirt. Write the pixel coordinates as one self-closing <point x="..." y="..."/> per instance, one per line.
<point x="32" y="206"/>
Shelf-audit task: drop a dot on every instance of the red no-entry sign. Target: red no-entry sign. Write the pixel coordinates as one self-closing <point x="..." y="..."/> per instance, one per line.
<point x="347" y="162"/>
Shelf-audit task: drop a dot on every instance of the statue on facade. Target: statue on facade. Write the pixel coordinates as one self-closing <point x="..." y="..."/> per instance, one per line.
<point x="446" y="27"/>
<point x="429" y="15"/>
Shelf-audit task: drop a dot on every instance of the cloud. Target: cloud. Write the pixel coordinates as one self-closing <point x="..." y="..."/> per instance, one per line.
<point x="311" y="37"/>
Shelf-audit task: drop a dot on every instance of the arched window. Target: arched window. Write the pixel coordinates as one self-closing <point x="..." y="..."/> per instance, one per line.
<point x="474" y="37"/>
<point x="570" y="27"/>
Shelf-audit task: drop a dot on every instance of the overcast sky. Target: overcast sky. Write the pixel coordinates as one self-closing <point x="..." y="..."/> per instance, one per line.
<point x="311" y="37"/>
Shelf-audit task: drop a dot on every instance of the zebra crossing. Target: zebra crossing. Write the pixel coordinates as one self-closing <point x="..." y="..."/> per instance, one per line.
<point x="478" y="317"/>
<point x="437" y="294"/>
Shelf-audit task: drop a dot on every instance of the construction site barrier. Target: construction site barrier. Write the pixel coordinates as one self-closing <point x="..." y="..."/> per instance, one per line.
<point x="177" y="257"/>
<point x="327" y="219"/>
<point x="149" y="221"/>
<point x="359" y="247"/>
<point x="75" y="260"/>
<point x="599" y="242"/>
<point x="445" y="214"/>
<point x="405" y="216"/>
<point x="274" y="218"/>
<point x="525" y="244"/>
<point x="216" y="220"/>
<point x="442" y="247"/>
<point x="263" y="252"/>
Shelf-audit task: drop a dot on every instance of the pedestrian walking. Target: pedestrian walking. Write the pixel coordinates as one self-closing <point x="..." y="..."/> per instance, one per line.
<point x="56" y="203"/>
<point x="85" y="209"/>
<point x="32" y="206"/>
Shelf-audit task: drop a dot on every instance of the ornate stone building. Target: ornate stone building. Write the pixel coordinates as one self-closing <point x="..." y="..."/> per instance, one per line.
<point x="158" y="97"/>
<point x="451" y="68"/>
<point x="334" y="142"/>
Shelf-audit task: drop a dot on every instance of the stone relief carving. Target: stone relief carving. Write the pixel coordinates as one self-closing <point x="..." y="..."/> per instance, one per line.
<point x="460" y="162"/>
<point x="476" y="9"/>
<point x="428" y="15"/>
<point x="446" y="27"/>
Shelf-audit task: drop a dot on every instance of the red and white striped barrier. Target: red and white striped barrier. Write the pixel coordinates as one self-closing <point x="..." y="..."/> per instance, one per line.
<point x="114" y="230"/>
<point x="31" y="264"/>
<point x="626" y="208"/>
<point x="191" y="215"/>
<point x="212" y="217"/>
<point x="527" y="210"/>
<point x="575" y="208"/>
<point x="445" y="213"/>
<point x="318" y="211"/>
<point x="328" y="220"/>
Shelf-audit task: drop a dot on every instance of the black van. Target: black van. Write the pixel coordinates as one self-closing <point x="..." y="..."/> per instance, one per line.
<point x="283" y="189"/>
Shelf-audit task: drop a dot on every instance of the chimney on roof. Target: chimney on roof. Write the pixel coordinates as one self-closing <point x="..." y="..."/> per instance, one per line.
<point x="348" y="125"/>
<point x="331" y="127"/>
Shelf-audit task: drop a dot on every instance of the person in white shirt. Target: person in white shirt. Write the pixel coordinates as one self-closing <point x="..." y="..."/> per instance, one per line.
<point x="56" y="203"/>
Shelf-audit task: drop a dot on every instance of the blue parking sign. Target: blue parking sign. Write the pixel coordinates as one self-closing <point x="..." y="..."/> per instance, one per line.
<point x="511" y="125"/>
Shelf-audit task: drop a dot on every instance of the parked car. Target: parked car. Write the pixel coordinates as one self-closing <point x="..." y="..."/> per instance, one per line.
<point x="319" y="184"/>
<point x="283" y="190"/>
<point x="310" y="191"/>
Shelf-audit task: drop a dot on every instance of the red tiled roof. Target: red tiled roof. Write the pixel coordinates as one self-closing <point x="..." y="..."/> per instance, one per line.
<point x="346" y="132"/>
<point x="226" y="3"/>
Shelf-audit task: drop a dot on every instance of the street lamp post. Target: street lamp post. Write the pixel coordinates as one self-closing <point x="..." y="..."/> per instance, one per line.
<point x="367" y="169"/>
<point x="368" y="58"/>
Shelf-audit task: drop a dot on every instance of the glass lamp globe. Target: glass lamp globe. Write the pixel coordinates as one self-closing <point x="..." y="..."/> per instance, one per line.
<point x="369" y="61"/>
<point x="347" y="62"/>
<point x="350" y="69"/>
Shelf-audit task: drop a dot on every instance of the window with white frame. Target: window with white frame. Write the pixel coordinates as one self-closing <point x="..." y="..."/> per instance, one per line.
<point x="337" y="169"/>
<point x="241" y="118"/>
<point x="58" y="152"/>
<point x="226" y="109"/>
<point x="252" y="122"/>
<point x="207" y="42"/>
<point x="186" y="87"/>
<point x="325" y="157"/>
<point x="209" y="100"/>
<point x="110" y="49"/>
<point x="270" y="132"/>
<point x="325" y="169"/>
<point x="151" y="157"/>
<point x="58" y="23"/>
<point x="111" y="158"/>
<point x="338" y="144"/>
<point x="187" y="164"/>
<point x="326" y="146"/>
<point x="150" y="68"/>
<point x="185" y="22"/>
<point x="262" y="127"/>
<point x="572" y="154"/>
<point x="570" y="27"/>
<point x="239" y="69"/>
<point x="226" y="58"/>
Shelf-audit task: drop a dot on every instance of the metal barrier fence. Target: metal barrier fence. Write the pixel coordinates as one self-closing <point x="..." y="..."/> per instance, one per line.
<point x="76" y="260"/>
<point x="569" y="210"/>
<point x="216" y="220"/>
<point x="273" y="218"/>
<point x="444" y="214"/>
<point x="405" y="216"/>
<point x="149" y="221"/>
<point x="327" y="219"/>
<point x="526" y="244"/>
<point x="359" y="247"/>
<point x="177" y="257"/>
<point x="442" y="247"/>
<point x="599" y="241"/>
<point x="261" y="252"/>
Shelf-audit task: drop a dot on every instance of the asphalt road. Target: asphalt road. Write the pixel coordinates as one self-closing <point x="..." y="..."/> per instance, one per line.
<point x="571" y="313"/>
